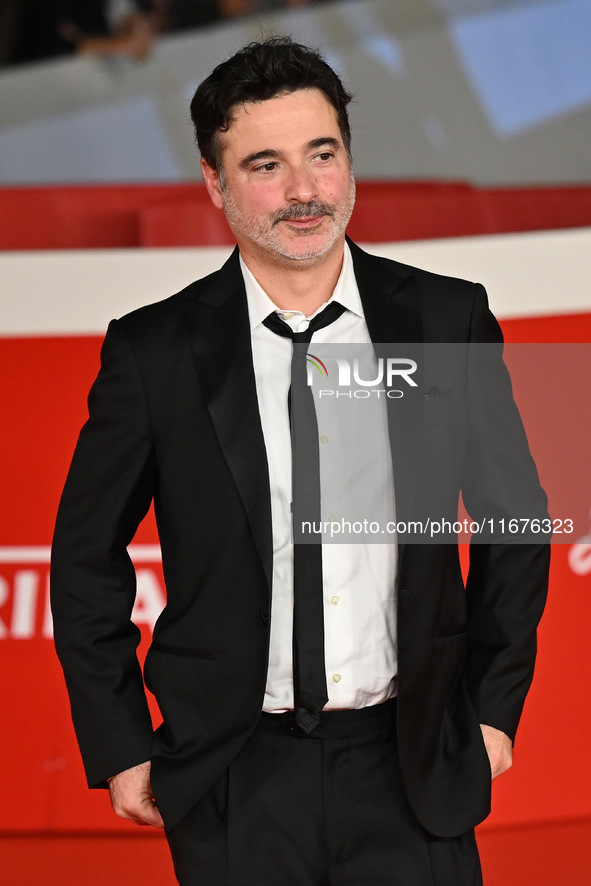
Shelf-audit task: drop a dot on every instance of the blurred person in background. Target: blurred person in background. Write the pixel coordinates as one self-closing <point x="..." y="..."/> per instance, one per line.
<point x="181" y="14"/>
<point x="85" y="27"/>
<point x="107" y="27"/>
<point x="40" y="29"/>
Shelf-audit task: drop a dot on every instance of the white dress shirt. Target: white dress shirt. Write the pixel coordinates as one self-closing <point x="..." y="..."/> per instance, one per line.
<point x="359" y="578"/>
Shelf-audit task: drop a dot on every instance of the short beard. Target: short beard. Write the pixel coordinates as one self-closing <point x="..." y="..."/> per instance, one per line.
<point x="265" y="235"/>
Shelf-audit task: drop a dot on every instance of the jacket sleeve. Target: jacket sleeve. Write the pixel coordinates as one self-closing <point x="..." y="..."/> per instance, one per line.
<point x="107" y="493"/>
<point x="508" y="576"/>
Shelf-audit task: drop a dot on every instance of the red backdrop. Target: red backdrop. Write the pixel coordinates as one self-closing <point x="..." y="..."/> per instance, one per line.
<point x="44" y="382"/>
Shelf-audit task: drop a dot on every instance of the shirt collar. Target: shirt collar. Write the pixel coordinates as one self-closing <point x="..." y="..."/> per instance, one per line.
<point x="345" y="292"/>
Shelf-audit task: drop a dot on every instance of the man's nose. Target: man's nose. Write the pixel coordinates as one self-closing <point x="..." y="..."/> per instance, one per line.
<point x="301" y="185"/>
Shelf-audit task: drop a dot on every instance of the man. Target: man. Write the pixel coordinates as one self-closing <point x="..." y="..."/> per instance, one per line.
<point x="379" y="773"/>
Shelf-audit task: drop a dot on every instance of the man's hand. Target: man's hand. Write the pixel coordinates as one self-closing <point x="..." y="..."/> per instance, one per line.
<point x="499" y="748"/>
<point x="132" y="798"/>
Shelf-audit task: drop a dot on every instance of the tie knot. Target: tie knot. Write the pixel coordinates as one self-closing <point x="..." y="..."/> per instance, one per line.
<point x="324" y="318"/>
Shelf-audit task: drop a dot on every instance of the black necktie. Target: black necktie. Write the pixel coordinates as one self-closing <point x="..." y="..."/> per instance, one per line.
<point x="309" y="670"/>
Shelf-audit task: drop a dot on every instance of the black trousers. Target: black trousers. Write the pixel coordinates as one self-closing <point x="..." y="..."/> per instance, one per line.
<point x="327" y="809"/>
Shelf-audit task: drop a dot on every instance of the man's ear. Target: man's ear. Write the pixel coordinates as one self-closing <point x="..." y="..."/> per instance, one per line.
<point x="212" y="183"/>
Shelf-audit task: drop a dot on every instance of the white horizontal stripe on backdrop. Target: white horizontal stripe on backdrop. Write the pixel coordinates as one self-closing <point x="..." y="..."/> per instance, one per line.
<point x="77" y="292"/>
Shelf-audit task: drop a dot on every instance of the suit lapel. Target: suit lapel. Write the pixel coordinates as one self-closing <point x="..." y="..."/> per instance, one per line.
<point x="392" y="307"/>
<point x="219" y="330"/>
<point x="217" y="318"/>
<point x="390" y="299"/>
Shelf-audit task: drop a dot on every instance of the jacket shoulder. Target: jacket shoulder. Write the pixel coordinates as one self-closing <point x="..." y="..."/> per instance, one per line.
<point x="452" y="309"/>
<point x="160" y="316"/>
<point x="383" y="270"/>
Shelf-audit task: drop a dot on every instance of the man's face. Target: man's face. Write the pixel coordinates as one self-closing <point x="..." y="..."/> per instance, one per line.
<point x="286" y="187"/>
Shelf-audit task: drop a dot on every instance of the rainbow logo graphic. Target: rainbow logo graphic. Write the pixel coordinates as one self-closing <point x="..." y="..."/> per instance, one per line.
<point x="317" y="363"/>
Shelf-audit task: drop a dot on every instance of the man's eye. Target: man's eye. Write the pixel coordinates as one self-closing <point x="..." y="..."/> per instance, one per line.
<point x="325" y="155"/>
<point x="266" y="167"/>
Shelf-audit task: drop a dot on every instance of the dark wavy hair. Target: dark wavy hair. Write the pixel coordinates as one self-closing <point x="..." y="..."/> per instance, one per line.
<point x="258" y="72"/>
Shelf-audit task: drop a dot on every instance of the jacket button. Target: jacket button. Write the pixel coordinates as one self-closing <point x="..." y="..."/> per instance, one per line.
<point x="264" y="617"/>
<point x="404" y="592"/>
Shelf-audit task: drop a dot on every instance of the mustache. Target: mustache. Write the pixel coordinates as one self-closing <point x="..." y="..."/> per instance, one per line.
<point x="303" y="210"/>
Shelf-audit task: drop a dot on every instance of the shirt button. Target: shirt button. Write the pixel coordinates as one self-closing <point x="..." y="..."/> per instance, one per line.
<point x="324" y="439"/>
<point x="288" y="315"/>
<point x="336" y="678"/>
<point x="334" y="600"/>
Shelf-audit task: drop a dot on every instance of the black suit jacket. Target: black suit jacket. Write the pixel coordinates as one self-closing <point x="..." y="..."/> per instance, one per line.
<point x="174" y="418"/>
